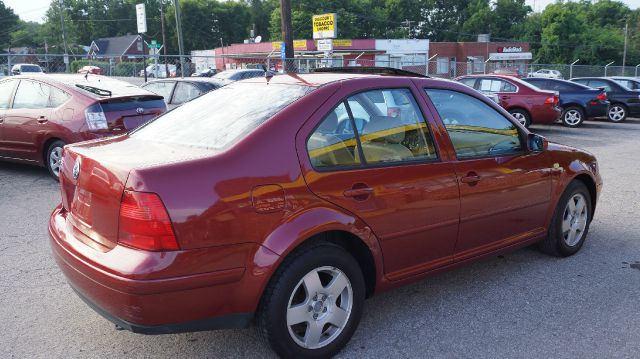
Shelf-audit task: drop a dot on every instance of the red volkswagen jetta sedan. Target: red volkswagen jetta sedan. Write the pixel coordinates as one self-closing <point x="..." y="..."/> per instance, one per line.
<point x="287" y="201"/>
<point x="525" y="102"/>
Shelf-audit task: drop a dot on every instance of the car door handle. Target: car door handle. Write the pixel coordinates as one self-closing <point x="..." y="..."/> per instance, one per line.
<point x="471" y="178"/>
<point x="42" y="119"/>
<point x="359" y="192"/>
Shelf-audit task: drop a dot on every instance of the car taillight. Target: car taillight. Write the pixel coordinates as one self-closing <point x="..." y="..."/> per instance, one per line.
<point x="144" y="223"/>
<point x="551" y="100"/>
<point x="96" y="120"/>
<point x="602" y="96"/>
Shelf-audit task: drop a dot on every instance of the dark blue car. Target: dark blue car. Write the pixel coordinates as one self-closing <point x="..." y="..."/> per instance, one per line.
<point x="624" y="101"/>
<point x="578" y="102"/>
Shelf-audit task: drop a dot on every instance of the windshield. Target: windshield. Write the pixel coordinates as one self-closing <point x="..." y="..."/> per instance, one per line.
<point x="30" y="68"/>
<point x="220" y="118"/>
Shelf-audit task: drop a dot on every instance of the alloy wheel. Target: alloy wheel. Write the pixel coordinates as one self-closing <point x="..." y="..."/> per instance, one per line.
<point x="574" y="219"/>
<point x="572" y="117"/>
<point x="520" y="117"/>
<point x="616" y="113"/>
<point x="319" y="307"/>
<point x="55" y="160"/>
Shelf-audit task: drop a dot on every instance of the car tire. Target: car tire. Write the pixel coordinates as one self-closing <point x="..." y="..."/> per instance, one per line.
<point x="54" y="158"/>
<point x="572" y="116"/>
<point x="570" y="223"/>
<point x="521" y="116"/>
<point x="617" y="112"/>
<point x="301" y="315"/>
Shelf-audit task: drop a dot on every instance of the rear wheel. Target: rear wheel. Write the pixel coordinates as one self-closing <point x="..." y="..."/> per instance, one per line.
<point x="54" y="158"/>
<point x="570" y="223"/>
<point x="313" y="304"/>
<point x="572" y="116"/>
<point x="522" y="116"/>
<point x="617" y="112"/>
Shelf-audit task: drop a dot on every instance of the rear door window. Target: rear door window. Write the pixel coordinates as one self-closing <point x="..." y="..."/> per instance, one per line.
<point x="469" y="82"/>
<point x="32" y="95"/>
<point x="58" y="97"/>
<point x="496" y="85"/>
<point x="360" y="132"/>
<point x="185" y="92"/>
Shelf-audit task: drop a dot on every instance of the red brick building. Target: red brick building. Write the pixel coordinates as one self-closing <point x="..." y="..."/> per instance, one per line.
<point x="453" y="59"/>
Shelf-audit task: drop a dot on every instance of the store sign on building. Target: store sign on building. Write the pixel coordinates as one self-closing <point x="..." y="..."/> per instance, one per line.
<point x="325" y="45"/>
<point x="510" y="49"/>
<point x="325" y="26"/>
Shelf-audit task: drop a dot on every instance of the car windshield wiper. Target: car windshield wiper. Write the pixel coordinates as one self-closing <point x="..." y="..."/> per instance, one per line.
<point x="95" y="90"/>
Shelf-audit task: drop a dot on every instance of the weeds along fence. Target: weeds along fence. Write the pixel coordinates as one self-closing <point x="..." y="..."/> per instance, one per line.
<point x="171" y="65"/>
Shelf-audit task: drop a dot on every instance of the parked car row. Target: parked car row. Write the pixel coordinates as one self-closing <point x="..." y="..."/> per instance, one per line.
<point x="287" y="202"/>
<point x="546" y="99"/>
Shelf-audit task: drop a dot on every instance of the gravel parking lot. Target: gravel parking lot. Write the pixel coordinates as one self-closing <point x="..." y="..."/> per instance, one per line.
<point x="523" y="304"/>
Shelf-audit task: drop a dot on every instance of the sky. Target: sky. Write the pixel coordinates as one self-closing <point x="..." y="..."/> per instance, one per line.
<point x="34" y="10"/>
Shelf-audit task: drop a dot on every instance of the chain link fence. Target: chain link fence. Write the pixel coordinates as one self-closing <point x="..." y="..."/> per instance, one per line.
<point x="172" y="66"/>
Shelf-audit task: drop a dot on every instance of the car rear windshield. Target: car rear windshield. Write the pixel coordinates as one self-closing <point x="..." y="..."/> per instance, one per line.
<point x="30" y="68"/>
<point x="220" y="118"/>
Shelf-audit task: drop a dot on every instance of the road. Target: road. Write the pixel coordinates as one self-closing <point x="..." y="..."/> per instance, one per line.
<point x="524" y="304"/>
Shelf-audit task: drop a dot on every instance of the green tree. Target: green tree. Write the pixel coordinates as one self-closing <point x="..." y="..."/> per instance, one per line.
<point x="9" y="23"/>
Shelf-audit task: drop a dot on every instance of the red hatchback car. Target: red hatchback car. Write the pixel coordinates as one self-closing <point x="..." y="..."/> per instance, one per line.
<point x="286" y="202"/>
<point x="40" y="114"/>
<point x="525" y="102"/>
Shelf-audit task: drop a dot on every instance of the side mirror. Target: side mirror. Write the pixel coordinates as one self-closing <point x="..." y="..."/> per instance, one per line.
<point x="537" y="143"/>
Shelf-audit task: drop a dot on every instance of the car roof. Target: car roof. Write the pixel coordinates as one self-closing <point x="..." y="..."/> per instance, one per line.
<point x="625" y="78"/>
<point x="118" y="88"/>
<point x="315" y="79"/>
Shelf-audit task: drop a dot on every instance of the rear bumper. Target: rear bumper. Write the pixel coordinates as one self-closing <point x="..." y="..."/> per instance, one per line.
<point x="133" y="289"/>
<point x="634" y="109"/>
<point x="547" y="115"/>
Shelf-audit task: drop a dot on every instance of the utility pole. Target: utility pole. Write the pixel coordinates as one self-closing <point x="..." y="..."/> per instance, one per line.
<point x="408" y="24"/>
<point x="64" y="38"/>
<point x="164" y="39"/>
<point x="287" y="34"/>
<point x="624" y="54"/>
<point x="176" y="3"/>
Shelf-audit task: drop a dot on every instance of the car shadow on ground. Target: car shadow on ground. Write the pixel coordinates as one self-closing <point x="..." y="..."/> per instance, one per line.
<point x="33" y="172"/>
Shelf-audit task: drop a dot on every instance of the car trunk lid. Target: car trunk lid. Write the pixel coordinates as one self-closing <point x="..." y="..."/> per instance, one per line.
<point x="94" y="176"/>
<point x="127" y="113"/>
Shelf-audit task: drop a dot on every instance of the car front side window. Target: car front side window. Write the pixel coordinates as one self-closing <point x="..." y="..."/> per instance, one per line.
<point x="476" y="130"/>
<point x="6" y="90"/>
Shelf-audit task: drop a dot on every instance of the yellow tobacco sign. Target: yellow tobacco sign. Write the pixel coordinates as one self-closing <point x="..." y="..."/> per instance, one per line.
<point x="325" y="26"/>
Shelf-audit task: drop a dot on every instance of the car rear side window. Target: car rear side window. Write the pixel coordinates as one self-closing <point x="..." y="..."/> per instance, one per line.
<point x="390" y="131"/>
<point x="475" y="128"/>
<point x="220" y="118"/>
<point x="600" y="84"/>
<point x="58" y="97"/>
<point x="32" y="95"/>
<point x="469" y="82"/>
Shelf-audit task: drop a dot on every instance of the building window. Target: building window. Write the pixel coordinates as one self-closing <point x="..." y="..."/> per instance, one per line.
<point x="442" y="65"/>
<point x="478" y="64"/>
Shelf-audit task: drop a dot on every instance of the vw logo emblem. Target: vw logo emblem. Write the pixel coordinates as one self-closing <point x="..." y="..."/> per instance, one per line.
<point x="76" y="170"/>
<point x="139" y="110"/>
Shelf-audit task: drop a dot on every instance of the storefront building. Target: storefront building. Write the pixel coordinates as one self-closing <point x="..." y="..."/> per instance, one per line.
<point x="397" y="53"/>
<point x="452" y="59"/>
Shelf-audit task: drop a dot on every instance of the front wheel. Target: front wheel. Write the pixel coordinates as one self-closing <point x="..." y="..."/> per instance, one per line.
<point x="522" y="117"/>
<point x="617" y="113"/>
<point x="570" y="224"/>
<point x="313" y="304"/>
<point x="572" y="116"/>
<point x="54" y="158"/>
